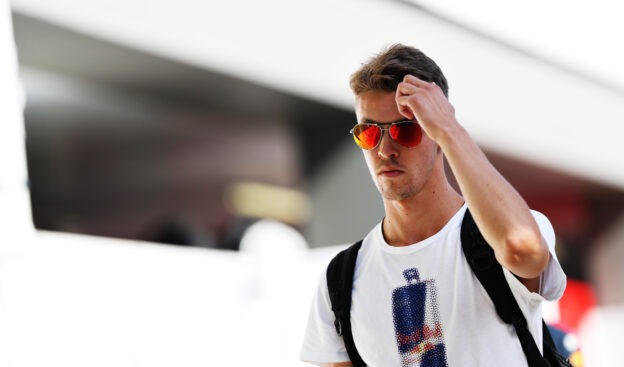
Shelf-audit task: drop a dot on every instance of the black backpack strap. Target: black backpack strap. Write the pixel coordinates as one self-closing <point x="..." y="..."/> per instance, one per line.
<point x="484" y="265"/>
<point x="488" y="271"/>
<point x="551" y="353"/>
<point x="340" y="284"/>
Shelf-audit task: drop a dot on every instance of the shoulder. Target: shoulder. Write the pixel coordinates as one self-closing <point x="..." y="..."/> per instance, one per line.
<point x="342" y="265"/>
<point x="351" y="252"/>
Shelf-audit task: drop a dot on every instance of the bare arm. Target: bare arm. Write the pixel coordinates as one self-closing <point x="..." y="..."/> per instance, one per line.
<point x="500" y="212"/>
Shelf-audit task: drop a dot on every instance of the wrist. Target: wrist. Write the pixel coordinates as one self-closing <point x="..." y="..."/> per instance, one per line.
<point x="449" y="134"/>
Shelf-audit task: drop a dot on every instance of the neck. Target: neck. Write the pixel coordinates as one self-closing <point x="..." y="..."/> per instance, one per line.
<point x="421" y="216"/>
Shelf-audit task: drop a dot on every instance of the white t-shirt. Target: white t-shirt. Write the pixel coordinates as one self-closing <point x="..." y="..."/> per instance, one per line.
<point x="421" y="305"/>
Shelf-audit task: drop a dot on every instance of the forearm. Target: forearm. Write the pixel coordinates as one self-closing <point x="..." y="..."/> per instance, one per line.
<point x="500" y="212"/>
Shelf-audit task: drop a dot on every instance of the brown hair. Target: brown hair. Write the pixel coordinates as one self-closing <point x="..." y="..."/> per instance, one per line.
<point x="387" y="69"/>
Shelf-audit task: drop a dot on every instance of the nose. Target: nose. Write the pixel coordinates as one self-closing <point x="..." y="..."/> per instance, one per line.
<point x="387" y="147"/>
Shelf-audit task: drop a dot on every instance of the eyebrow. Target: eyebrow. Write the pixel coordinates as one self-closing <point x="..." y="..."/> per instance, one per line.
<point x="373" y="122"/>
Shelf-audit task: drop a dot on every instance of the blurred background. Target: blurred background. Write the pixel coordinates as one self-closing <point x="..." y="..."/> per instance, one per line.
<point x="176" y="175"/>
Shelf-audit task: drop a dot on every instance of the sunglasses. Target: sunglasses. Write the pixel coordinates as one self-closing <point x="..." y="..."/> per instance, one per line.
<point x="367" y="135"/>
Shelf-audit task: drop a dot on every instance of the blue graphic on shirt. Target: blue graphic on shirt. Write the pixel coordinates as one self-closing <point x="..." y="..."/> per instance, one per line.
<point x="417" y="324"/>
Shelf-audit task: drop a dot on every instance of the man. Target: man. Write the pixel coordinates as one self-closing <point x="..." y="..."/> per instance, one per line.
<point x="405" y="127"/>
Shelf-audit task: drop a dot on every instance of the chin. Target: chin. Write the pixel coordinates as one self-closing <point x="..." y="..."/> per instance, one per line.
<point x="396" y="195"/>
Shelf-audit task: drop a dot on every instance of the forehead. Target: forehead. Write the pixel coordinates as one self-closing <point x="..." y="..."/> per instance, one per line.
<point x="377" y="106"/>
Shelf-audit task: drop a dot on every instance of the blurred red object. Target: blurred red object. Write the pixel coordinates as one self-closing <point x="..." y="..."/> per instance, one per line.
<point x="577" y="300"/>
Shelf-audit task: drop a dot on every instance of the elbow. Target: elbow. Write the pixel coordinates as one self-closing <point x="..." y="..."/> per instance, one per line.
<point x="525" y="253"/>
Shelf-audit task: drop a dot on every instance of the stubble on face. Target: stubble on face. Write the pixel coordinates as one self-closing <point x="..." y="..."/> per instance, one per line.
<point x="392" y="193"/>
<point x="415" y="164"/>
<point x="412" y="182"/>
<point x="394" y="188"/>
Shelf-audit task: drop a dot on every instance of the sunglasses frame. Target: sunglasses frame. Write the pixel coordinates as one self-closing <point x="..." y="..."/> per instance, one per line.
<point x="381" y="125"/>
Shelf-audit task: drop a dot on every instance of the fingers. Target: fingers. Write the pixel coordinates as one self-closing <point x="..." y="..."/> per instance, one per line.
<point x="424" y="101"/>
<point x="416" y="82"/>
<point x="405" y="89"/>
<point x="409" y="87"/>
<point x="413" y="86"/>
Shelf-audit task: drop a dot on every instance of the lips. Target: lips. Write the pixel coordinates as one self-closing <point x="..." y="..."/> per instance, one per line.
<point x="389" y="171"/>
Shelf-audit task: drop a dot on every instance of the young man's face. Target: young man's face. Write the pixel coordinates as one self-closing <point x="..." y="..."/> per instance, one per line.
<point x="399" y="172"/>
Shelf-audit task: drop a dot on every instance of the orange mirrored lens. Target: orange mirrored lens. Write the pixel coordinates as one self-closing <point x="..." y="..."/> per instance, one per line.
<point x="408" y="134"/>
<point x="367" y="136"/>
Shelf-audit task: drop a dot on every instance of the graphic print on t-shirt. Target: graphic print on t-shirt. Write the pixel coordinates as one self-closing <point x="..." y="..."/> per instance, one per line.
<point x="417" y="325"/>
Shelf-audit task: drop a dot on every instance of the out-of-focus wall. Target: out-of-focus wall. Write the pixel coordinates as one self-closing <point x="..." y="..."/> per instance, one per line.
<point x="345" y="199"/>
<point x="15" y="214"/>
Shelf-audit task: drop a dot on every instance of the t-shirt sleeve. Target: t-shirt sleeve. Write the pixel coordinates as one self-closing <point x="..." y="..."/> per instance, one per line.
<point x="321" y="342"/>
<point x="553" y="279"/>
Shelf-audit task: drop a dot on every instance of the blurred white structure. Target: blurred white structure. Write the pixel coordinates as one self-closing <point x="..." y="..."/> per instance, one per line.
<point x="122" y="303"/>
<point x="14" y="200"/>
<point x="310" y="48"/>
<point x="73" y="300"/>
<point x="600" y="334"/>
